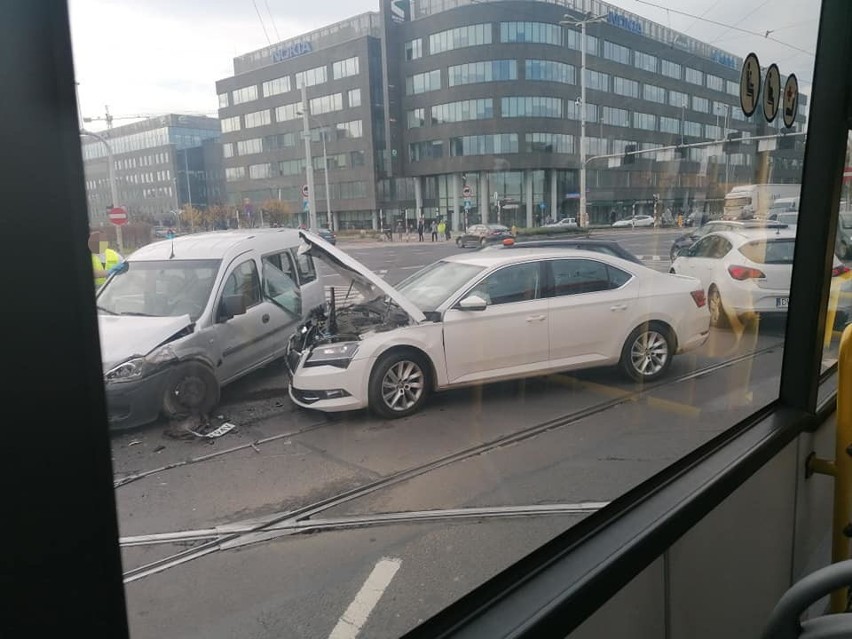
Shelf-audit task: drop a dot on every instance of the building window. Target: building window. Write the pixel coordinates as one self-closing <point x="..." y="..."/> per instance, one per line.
<point x="645" y="121"/>
<point x="700" y="104"/>
<point x="713" y="132"/>
<point x="326" y="104"/>
<point x="246" y="94"/>
<point x="356" y="158"/>
<point x="311" y="77"/>
<point x="597" y="80"/>
<point x="258" y="118"/>
<point x="733" y="88"/>
<point x="616" y="52"/>
<point x="573" y="111"/>
<point x="280" y="141"/>
<point x="549" y="143"/>
<point x="645" y="61"/>
<point x="596" y="146"/>
<point x="468" y="36"/>
<point x="228" y="150"/>
<point x="549" y="71"/>
<point x="416" y="118"/>
<point x="414" y="49"/>
<point x="615" y="117"/>
<point x="260" y="171"/>
<point x="344" y="68"/>
<point x="540" y="32"/>
<point x="678" y="99"/>
<point x="234" y="173"/>
<point x="671" y="69"/>
<point x="353" y="129"/>
<point x="623" y="86"/>
<point x="715" y="82"/>
<point x="230" y="124"/>
<point x="465" y="110"/>
<point x="488" y="71"/>
<point x="694" y="76"/>
<point x="669" y="125"/>
<point x="484" y="144"/>
<point x="653" y="93"/>
<point x="692" y="128"/>
<point x="223" y="100"/>
<point x="574" y="38"/>
<point x="288" y="112"/>
<point x="428" y="150"/>
<point x="276" y="86"/>
<point x="354" y="98"/>
<point x="247" y="147"/>
<point x="423" y="82"/>
<point x="531" y="107"/>
<point x="291" y="167"/>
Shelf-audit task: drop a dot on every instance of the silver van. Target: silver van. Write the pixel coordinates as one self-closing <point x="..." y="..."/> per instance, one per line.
<point x="184" y="317"/>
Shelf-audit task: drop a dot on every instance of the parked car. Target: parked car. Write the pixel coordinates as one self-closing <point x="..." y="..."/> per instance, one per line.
<point x="566" y="222"/>
<point x="492" y="315"/>
<point x="637" y="220"/>
<point x="744" y="272"/>
<point x="185" y="317"/>
<point x="688" y="239"/>
<point x="844" y="236"/>
<point x="482" y="234"/>
<point x="607" y="247"/>
<point x="326" y="234"/>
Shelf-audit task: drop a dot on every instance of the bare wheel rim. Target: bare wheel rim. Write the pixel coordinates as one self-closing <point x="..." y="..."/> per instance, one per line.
<point x="402" y="385"/>
<point x="649" y="353"/>
<point x="715" y="304"/>
<point x="190" y="391"/>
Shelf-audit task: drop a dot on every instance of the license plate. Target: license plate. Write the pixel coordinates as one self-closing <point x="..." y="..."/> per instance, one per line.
<point x="782" y="302"/>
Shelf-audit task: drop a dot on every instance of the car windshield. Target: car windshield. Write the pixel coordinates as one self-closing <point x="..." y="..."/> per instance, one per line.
<point x="160" y="289"/>
<point x="432" y="286"/>
<point x="770" y="251"/>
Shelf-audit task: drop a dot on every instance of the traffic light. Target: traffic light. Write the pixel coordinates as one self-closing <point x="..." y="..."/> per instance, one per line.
<point x="629" y="150"/>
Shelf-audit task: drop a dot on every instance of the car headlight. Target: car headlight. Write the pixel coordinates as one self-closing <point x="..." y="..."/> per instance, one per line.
<point x="126" y="371"/>
<point x="338" y="355"/>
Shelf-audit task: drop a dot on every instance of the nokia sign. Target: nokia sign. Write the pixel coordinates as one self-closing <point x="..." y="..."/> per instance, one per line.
<point x="291" y="51"/>
<point x="618" y="20"/>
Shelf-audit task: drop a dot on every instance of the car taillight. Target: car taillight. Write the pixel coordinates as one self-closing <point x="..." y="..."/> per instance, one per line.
<point x="742" y="273"/>
<point x="839" y="270"/>
<point x="699" y="298"/>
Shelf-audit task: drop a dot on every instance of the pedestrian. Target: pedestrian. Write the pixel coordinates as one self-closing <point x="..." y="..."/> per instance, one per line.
<point x="105" y="261"/>
<point x="514" y="231"/>
<point x="680" y="219"/>
<point x="434" y="229"/>
<point x="421" y="223"/>
<point x="442" y="229"/>
<point x="447" y="232"/>
<point x="612" y="217"/>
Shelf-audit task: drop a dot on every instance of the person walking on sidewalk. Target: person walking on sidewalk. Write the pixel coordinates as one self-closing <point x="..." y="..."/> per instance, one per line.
<point x="442" y="229"/>
<point x="434" y="231"/>
<point x="421" y="224"/>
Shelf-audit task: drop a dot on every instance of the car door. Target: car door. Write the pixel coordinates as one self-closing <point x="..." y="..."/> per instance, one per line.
<point x="243" y="340"/>
<point x="509" y="337"/>
<point x="698" y="262"/>
<point x="591" y="308"/>
<point x="281" y="289"/>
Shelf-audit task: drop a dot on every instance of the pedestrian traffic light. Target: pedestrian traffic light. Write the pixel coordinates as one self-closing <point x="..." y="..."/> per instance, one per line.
<point x="629" y="157"/>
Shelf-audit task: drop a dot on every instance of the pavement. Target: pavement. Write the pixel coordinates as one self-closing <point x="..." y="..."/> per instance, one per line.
<point x="371" y="526"/>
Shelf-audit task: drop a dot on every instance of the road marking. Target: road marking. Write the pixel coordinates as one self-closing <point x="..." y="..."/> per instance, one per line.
<point x="350" y="623"/>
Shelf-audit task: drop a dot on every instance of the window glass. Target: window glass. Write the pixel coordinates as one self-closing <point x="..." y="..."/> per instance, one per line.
<point x="519" y="283"/>
<point x="244" y="281"/>
<point x="305" y="266"/>
<point x="279" y="283"/>
<point x="573" y="277"/>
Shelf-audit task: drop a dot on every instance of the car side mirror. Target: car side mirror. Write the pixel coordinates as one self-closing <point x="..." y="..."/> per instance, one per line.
<point x="473" y="303"/>
<point x="231" y="306"/>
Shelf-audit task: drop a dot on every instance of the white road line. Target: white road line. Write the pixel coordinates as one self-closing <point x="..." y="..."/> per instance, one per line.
<point x="351" y="621"/>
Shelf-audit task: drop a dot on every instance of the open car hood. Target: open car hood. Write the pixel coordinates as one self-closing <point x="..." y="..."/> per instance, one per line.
<point x="124" y="337"/>
<point x="368" y="283"/>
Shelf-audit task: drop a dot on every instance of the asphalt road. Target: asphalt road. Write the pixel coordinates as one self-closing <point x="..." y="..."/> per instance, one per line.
<point x="355" y="546"/>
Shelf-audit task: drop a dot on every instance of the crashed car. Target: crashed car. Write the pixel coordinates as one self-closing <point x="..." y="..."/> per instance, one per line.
<point x="184" y="317"/>
<point x="487" y="316"/>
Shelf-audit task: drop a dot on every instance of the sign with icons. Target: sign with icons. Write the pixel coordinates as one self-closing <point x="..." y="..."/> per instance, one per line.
<point x="771" y="92"/>
<point x="750" y="84"/>
<point x="791" y="100"/>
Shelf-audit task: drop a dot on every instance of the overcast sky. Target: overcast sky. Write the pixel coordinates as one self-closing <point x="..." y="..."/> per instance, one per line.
<point x="146" y="57"/>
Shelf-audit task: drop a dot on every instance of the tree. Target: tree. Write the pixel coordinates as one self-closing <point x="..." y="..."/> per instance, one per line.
<point x="191" y="218"/>
<point x="277" y="212"/>
<point x="217" y="216"/>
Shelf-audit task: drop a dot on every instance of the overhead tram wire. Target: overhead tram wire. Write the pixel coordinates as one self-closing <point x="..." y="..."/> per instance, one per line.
<point x="262" y="24"/>
<point x="272" y="21"/>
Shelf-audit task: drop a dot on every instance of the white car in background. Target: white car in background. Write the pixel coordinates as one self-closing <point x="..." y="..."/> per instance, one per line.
<point x="488" y="316"/>
<point x="565" y="223"/>
<point x="635" y="221"/>
<point x="744" y="272"/>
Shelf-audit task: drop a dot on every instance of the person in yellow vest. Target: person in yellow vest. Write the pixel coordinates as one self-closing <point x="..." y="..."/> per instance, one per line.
<point x="104" y="260"/>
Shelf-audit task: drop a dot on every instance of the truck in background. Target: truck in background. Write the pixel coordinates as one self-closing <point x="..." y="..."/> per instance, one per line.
<point x="754" y="201"/>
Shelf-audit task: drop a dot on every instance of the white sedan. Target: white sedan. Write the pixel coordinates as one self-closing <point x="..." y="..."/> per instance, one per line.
<point x="636" y="220"/>
<point x="565" y="223"/>
<point x="488" y="316"/>
<point x="744" y="272"/>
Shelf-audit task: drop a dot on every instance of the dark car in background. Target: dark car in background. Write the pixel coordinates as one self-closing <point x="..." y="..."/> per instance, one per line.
<point x="326" y="234"/>
<point x="688" y="239"/>
<point x="607" y="247"/>
<point x="482" y="234"/>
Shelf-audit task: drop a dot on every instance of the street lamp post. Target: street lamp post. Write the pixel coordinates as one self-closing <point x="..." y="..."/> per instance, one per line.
<point x="568" y="21"/>
<point x="309" y="164"/>
<point x="325" y="176"/>
<point x="113" y="188"/>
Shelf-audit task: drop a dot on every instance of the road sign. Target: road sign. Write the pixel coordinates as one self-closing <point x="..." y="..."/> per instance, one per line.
<point x="305" y="190"/>
<point x="467" y="205"/>
<point x="305" y="206"/>
<point x="117" y="216"/>
<point x="542" y="205"/>
<point x="791" y="100"/>
<point x="393" y="152"/>
<point x="750" y="84"/>
<point x="467" y="191"/>
<point x="771" y="92"/>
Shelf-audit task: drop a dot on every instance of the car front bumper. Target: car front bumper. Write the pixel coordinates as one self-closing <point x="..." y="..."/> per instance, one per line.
<point x="131" y="404"/>
<point x="329" y="388"/>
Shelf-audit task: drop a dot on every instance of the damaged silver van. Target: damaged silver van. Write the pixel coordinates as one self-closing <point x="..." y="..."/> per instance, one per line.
<point x="185" y="317"/>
